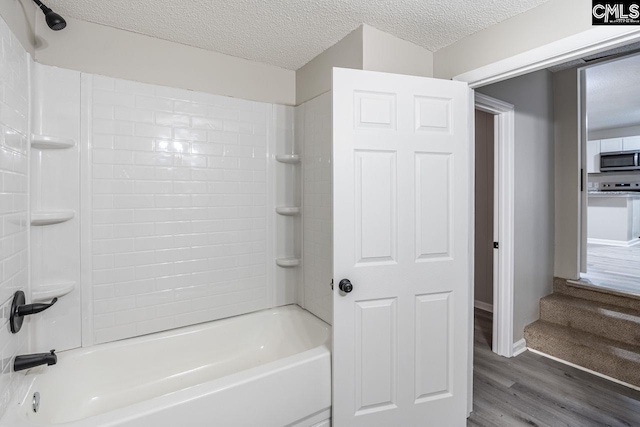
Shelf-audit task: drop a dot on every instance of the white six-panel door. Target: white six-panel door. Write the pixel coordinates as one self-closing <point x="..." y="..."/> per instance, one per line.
<point x="401" y="177"/>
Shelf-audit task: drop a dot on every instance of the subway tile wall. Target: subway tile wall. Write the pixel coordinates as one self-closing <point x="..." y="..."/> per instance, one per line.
<point x="14" y="107"/>
<point x="179" y="207"/>
<point x="317" y="206"/>
<point x="54" y="185"/>
<point x="288" y="192"/>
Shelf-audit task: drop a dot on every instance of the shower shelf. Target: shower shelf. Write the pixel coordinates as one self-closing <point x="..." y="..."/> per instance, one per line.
<point x="288" y="262"/>
<point x="52" y="290"/>
<point x="288" y="158"/>
<point x="49" y="218"/>
<point x="288" y="210"/>
<point x="44" y="142"/>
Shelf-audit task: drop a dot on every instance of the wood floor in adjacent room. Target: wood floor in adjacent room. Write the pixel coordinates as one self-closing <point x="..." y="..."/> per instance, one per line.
<point x="614" y="267"/>
<point x="532" y="390"/>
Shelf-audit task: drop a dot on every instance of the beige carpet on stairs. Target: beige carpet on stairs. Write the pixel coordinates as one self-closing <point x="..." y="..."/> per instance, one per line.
<point x="597" y="330"/>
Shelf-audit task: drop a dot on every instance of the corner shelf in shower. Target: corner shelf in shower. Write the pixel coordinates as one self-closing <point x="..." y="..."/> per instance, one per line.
<point x="44" y="142"/>
<point x="49" y="218"/>
<point x="288" y="210"/>
<point x="52" y="290"/>
<point x="288" y="262"/>
<point x="288" y="158"/>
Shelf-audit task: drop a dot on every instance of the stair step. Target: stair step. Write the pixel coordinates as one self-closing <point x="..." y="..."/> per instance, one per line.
<point x="598" y="294"/>
<point x="606" y="320"/>
<point x="606" y="356"/>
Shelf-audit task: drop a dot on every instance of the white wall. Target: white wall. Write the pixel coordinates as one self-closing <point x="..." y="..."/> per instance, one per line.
<point x="534" y="197"/>
<point x="567" y="174"/>
<point x="14" y="217"/>
<point x="179" y="206"/>
<point x="565" y="21"/>
<point x="287" y="230"/>
<point x="314" y="78"/>
<point x="20" y="17"/>
<point x="390" y="54"/>
<point x="177" y="211"/>
<point x="93" y="48"/>
<point x="55" y="187"/>
<point x="316" y="134"/>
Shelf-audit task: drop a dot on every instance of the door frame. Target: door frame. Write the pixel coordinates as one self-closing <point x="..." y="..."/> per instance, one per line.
<point x="583" y="139"/>
<point x="557" y="52"/>
<point x="596" y="39"/>
<point x="504" y="219"/>
<point x="554" y="53"/>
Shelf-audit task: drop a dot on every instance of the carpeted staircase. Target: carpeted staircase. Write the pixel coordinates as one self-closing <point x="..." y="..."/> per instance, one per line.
<point x="598" y="330"/>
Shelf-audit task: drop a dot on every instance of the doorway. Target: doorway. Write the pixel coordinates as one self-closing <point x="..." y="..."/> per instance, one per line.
<point x="484" y="218"/>
<point x="495" y="206"/>
<point x="610" y="253"/>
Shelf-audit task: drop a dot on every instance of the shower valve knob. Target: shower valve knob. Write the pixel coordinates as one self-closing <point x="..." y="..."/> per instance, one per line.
<point x="19" y="309"/>
<point x="345" y="286"/>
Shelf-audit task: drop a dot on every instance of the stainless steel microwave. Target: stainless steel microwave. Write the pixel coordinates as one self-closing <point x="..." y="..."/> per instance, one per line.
<point x="619" y="161"/>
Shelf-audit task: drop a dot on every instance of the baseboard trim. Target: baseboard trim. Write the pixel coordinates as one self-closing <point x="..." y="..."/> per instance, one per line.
<point x="519" y="347"/>
<point x="619" y="243"/>
<point x="483" y="306"/>
<point x="582" y="368"/>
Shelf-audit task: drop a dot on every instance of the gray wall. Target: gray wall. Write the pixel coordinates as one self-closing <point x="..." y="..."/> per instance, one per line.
<point x="532" y="96"/>
<point x="483" y="269"/>
<point x="567" y="172"/>
<point x="314" y="78"/>
<point x="365" y="48"/>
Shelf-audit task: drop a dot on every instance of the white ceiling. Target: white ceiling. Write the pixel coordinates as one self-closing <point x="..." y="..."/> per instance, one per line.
<point x="613" y="94"/>
<point x="289" y="33"/>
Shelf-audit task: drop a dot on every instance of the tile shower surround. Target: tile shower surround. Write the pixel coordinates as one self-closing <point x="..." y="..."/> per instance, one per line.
<point x="179" y="207"/>
<point x="317" y="205"/>
<point x="14" y="161"/>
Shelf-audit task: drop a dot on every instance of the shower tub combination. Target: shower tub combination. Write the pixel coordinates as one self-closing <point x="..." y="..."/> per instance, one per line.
<point x="270" y="368"/>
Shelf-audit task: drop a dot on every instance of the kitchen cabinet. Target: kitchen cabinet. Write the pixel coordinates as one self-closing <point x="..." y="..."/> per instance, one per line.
<point x="613" y="218"/>
<point x="631" y="143"/>
<point x="610" y="145"/>
<point x="593" y="156"/>
<point x="595" y="147"/>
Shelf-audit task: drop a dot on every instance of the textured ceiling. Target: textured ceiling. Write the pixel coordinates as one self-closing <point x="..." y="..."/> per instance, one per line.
<point x="613" y="94"/>
<point x="289" y="33"/>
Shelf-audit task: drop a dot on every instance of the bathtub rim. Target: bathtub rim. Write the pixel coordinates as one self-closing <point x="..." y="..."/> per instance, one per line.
<point x="17" y="418"/>
<point x="188" y="329"/>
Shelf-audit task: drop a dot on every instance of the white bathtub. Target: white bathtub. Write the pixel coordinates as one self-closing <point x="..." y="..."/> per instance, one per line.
<point x="270" y="368"/>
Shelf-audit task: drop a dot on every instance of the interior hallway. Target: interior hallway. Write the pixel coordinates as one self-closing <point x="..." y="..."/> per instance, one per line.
<point x="532" y="390"/>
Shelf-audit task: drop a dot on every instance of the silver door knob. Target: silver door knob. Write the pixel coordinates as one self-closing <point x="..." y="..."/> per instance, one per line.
<point x="345" y="286"/>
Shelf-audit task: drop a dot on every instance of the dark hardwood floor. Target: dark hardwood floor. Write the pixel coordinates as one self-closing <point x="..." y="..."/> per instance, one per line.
<point x="532" y="390"/>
